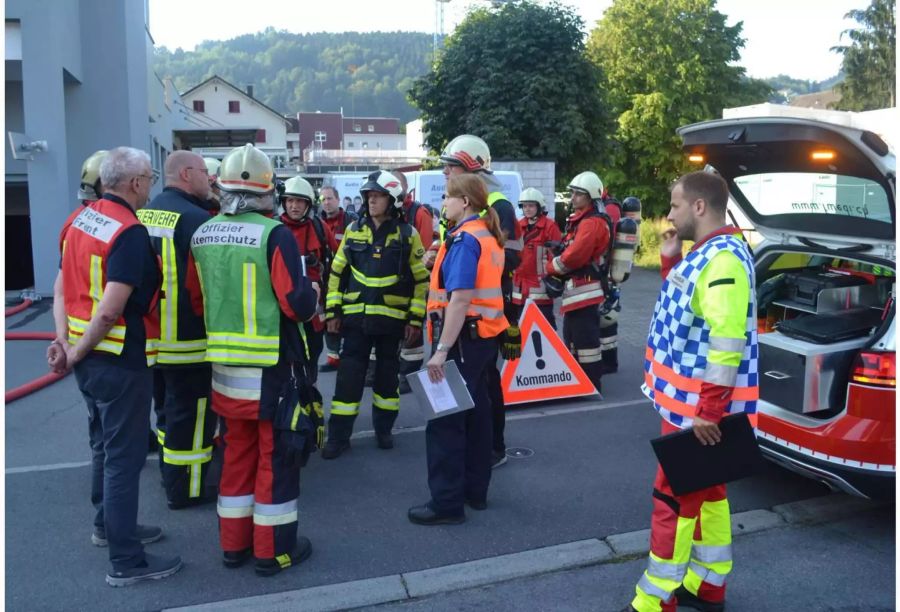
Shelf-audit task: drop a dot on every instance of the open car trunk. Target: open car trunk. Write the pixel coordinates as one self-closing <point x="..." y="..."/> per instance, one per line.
<point x="823" y="198"/>
<point x="816" y="311"/>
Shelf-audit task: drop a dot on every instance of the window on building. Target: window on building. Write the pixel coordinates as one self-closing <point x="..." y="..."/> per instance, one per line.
<point x="371" y="128"/>
<point x="357" y="127"/>
<point x="321" y="136"/>
<point x="350" y="144"/>
<point x="260" y="135"/>
<point x="234" y="106"/>
<point x="200" y="106"/>
<point x="365" y="145"/>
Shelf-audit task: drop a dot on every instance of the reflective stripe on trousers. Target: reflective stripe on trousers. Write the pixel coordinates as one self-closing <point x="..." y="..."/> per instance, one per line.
<point x="275" y="514"/>
<point x="237" y="506"/>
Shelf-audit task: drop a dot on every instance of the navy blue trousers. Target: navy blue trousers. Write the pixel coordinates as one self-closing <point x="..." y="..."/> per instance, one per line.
<point x="459" y="445"/>
<point x="118" y="403"/>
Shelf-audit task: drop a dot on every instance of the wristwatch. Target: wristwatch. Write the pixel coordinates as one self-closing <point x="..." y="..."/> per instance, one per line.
<point x="442" y="348"/>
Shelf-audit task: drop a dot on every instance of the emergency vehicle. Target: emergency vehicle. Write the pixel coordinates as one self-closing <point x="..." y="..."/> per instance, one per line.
<point x="822" y="197"/>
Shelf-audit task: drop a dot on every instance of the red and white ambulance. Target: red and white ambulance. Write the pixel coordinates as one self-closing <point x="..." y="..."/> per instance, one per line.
<point x="822" y="197"/>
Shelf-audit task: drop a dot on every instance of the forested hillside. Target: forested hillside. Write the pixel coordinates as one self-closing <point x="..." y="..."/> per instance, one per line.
<point x="365" y="73"/>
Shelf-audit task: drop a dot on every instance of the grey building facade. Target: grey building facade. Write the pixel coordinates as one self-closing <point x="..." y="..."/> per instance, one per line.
<point x="78" y="76"/>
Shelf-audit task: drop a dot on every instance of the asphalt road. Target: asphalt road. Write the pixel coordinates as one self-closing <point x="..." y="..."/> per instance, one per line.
<point x="590" y="476"/>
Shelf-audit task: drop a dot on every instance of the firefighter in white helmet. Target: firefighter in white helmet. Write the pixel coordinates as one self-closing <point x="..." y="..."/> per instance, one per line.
<point x="376" y="299"/>
<point x="247" y="281"/>
<point x="580" y="264"/>
<point x="317" y="246"/>
<point x="537" y="230"/>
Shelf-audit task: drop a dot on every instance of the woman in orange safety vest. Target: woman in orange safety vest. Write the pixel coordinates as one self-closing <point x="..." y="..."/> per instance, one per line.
<point x="465" y="315"/>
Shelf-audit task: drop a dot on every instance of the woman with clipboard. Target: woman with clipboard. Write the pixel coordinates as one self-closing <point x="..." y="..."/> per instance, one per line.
<point x="465" y="315"/>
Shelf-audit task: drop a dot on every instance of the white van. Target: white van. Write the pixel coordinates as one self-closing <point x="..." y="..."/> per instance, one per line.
<point x="429" y="187"/>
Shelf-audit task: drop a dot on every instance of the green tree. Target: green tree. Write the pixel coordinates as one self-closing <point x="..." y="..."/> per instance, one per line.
<point x="518" y="77"/>
<point x="666" y="63"/>
<point x="870" y="60"/>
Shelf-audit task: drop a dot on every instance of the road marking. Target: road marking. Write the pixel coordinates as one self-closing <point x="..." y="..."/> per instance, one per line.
<point x="530" y="414"/>
<point x="592" y="406"/>
<point x="28" y="469"/>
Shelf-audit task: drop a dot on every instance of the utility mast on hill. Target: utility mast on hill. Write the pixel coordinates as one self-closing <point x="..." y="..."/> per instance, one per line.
<point x="439" y="21"/>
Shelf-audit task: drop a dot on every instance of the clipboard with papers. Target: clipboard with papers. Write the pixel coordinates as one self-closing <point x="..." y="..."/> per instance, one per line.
<point x="690" y="466"/>
<point x="440" y="399"/>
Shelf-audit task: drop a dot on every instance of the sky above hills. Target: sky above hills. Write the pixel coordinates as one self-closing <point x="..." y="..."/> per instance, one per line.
<point x="790" y="37"/>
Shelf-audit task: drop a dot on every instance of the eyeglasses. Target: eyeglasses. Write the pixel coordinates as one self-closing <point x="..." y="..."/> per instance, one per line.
<point x="152" y="178"/>
<point x="204" y="170"/>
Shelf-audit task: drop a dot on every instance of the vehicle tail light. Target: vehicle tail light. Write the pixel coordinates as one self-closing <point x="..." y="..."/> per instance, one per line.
<point x="875" y="368"/>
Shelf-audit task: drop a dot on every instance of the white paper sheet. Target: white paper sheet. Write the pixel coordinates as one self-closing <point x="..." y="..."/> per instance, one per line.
<point x="439" y="395"/>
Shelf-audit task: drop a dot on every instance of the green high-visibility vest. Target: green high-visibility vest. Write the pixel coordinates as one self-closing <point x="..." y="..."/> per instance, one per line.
<point x="239" y="307"/>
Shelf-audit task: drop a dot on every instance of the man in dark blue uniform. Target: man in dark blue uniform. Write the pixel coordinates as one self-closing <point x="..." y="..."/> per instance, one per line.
<point x="185" y="424"/>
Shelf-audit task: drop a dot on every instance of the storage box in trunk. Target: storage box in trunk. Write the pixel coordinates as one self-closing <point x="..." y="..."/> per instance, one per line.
<point x="804" y="377"/>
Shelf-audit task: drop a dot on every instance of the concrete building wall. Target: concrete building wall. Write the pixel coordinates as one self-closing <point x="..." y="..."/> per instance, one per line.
<point x="538" y="174"/>
<point x="82" y="85"/>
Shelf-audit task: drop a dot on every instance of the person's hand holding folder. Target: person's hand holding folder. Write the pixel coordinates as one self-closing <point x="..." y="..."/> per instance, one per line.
<point x="707" y="432"/>
<point x="436" y="366"/>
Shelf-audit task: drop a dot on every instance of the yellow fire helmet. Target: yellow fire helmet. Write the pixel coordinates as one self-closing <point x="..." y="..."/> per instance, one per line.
<point x="90" y="176"/>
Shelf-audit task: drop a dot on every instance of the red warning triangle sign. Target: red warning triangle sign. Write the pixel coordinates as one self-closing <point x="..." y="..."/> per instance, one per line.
<point x="546" y="370"/>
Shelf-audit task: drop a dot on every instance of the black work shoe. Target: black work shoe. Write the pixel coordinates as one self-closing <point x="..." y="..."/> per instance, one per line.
<point x="145" y="533"/>
<point x="270" y="567"/>
<point x="385" y="440"/>
<point x="152" y="568"/>
<point x="629" y="608"/>
<point x="190" y="502"/>
<point x="497" y="459"/>
<point x="425" y="515"/>
<point x="477" y="504"/>
<point x="689" y="600"/>
<point x="236" y="558"/>
<point x="333" y="449"/>
<point x="404" y="385"/>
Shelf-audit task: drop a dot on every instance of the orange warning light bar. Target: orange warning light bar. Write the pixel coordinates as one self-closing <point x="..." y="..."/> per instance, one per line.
<point x="696" y="158"/>
<point x="822" y="155"/>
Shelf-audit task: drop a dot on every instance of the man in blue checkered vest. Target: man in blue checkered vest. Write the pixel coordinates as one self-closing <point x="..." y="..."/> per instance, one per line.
<point x="700" y="364"/>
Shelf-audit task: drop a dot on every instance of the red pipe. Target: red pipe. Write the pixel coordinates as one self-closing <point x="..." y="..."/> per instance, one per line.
<point x="30" y="387"/>
<point x="18" y="308"/>
<point x="30" y="335"/>
<point x="38" y="383"/>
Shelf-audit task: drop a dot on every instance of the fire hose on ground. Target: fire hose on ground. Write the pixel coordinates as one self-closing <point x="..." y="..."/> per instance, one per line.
<point x="42" y="381"/>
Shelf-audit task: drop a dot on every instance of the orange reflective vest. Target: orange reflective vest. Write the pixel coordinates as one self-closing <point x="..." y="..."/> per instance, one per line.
<point x="85" y="250"/>
<point x="487" y="298"/>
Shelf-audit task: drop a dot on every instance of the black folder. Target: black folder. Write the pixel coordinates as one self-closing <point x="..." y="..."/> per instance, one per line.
<point x="689" y="466"/>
